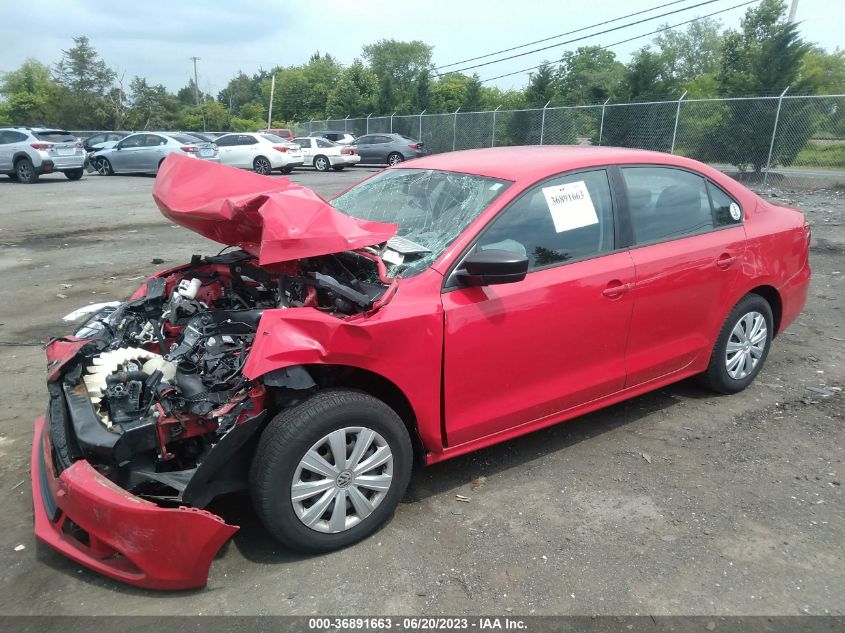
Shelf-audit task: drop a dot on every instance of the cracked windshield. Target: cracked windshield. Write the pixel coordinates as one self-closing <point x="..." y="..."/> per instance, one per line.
<point x="431" y="208"/>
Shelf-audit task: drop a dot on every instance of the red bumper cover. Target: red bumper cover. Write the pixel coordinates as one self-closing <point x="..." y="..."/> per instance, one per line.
<point x="89" y="519"/>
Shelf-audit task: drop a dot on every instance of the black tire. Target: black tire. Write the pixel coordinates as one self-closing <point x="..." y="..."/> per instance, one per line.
<point x="287" y="169"/>
<point x="261" y="165"/>
<point x="394" y="158"/>
<point x="717" y="377"/>
<point x="13" y="176"/>
<point x="103" y="167"/>
<point x="25" y="171"/>
<point x="291" y="434"/>
<point x="321" y="163"/>
<point x="339" y="167"/>
<point x="74" y="174"/>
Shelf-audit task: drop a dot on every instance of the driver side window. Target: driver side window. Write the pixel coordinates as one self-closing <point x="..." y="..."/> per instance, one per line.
<point x="564" y="219"/>
<point x="131" y="141"/>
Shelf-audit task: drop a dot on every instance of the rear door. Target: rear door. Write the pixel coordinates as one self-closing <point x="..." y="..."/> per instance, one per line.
<point x="520" y="352"/>
<point x="9" y="140"/>
<point x="151" y="152"/>
<point x="225" y="148"/>
<point x="307" y="151"/>
<point x="688" y="243"/>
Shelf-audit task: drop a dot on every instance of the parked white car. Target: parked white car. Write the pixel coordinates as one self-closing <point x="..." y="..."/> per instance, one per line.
<point x="323" y="154"/>
<point x="341" y="138"/>
<point x="259" y="151"/>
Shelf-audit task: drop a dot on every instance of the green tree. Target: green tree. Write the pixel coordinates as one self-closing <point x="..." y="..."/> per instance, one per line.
<point x="238" y="91"/>
<point x="823" y="72"/>
<point x="151" y="107"/>
<point x="589" y="74"/>
<point x="87" y="81"/>
<point x="189" y="95"/>
<point x="399" y="67"/>
<point x="355" y="92"/>
<point x="765" y="56"/>
<point x="31" y="96"/>
<point x="452" y="91"/>
<point x="692" y="53"/>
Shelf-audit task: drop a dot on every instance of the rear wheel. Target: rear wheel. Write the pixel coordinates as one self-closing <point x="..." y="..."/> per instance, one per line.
<point x="262" y="166"/>
<point x="394" y="158"/>
<point x="331" y="470"/>
<point x="321" y="163"/>
<point x="74" y="174"/>
<point x="742" y="346"/>
<point x="25" y="172"/>
<point x="103" y="166"/>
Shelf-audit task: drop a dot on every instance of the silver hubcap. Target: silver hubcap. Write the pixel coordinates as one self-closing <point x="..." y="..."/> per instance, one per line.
<point x="746" y="345"/>
<point x="23" y="170"/>
<point x="395" y="159"/>
<point x="321" y="164"/>
<point x="102" y="168"/>
<point x="262" y="166"/>
<point x="342" y="479"/>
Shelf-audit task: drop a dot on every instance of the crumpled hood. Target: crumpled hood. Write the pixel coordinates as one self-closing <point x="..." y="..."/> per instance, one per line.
<point x="271" y="218"/>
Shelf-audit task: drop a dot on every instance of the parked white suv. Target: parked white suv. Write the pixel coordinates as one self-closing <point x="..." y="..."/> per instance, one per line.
<point x="259" y="151"/>
<point x="28" y="152"/>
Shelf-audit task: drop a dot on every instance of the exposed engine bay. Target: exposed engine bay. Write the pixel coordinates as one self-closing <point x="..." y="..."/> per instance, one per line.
<point x="160" y="382"/>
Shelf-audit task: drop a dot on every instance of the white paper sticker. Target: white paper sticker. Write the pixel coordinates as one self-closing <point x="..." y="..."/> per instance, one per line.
<point x="392" y="257"/>
<point x="736" y="214"/>
<point x="571" y="206"/>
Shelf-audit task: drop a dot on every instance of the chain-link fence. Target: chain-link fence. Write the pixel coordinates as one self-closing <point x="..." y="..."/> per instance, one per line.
<point x="789" y="141"/>
<point x="785" y="140"/>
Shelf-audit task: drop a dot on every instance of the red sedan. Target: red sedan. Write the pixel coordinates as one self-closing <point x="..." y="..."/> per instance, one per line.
<point x="435" y="308"/>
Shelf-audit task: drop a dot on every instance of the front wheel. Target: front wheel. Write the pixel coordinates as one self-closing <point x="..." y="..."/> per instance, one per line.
<point x="321" y="163"/>
<point x="331" y="470"/>
<point x="25" y="172"/>
<point x="103" y="167"/>
<point x="742" y="346"/>
<point x="286" y="169"/>
<point x="262" y="166"/>
<point x="339" y="167"/>
<point x="395" y="158"/>
<point x="74" y="174"/>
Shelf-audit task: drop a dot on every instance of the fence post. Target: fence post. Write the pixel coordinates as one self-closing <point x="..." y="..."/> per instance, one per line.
<point x="368" y="122"/>
<point x="455" y="128"/>
<point x="310" y="126"/>
<point x="421" y="113"/>
<point x="543" y="121"/>
<point x="391" y="122"/>
<point x="677" y="116"/>
<point x="346" y="124"/>
<point x="493" y="139"/>
<point x="601" y="125"/>
<point x="774" y="133"/>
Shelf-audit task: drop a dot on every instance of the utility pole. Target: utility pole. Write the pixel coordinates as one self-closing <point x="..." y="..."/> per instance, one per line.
<point x="196" y="82"/>
<point x="793" y="8"/>
<point x="272" y="91"/>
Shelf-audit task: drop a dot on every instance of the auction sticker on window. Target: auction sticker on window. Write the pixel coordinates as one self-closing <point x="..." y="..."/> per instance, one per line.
<point x="571" y="206"/>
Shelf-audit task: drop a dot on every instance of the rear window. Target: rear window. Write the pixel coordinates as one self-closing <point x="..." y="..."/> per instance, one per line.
<point x="55" y="136"/>
<point x="273" y="138"/>
<point x="184" y="138"/>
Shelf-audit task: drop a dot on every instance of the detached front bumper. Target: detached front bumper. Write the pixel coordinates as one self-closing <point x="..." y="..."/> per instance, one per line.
<point x="89" y="519"/>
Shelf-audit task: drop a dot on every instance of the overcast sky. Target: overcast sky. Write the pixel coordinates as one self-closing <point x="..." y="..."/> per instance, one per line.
<point x="155" y="38"/>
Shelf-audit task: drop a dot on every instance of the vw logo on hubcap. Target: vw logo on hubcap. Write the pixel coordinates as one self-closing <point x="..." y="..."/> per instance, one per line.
<point x="344" y="479"/>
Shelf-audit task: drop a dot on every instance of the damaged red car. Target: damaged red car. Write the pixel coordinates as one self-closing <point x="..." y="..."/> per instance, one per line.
<point x="435" y="308"/>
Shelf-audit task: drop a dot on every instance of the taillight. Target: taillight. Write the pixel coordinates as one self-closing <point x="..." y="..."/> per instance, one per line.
<point x="416" y="146"/>
<point x="190" y="149"/>
<point x="280" y="148"/>
<point x="41" y="146"/>
<point x="213" y="147"/>
<point x="347" y="151"/>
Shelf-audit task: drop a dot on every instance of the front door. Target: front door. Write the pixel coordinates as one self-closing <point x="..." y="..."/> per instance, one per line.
<point x="520" y="352"/>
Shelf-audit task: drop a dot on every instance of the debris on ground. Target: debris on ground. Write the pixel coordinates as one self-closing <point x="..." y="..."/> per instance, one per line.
<point x="647" y="457"/>
<point x="156" y="260"/>
<point x="826" y="393"/>
<point x="20" y="548"/>
<point x="478" y="482"/>
<point x="462" y="498"/>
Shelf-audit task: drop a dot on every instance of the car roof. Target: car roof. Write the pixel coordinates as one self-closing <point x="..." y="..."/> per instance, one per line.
<point x="532" y="162"/>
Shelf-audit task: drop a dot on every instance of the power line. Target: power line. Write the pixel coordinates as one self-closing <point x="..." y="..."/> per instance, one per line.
<point x="578" y="39"/>
<point x="636" y="37"/>
<point x="554" y="37"/>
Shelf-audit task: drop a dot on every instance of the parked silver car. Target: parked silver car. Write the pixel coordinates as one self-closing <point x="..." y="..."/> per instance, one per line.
<point x="387" y="148"/>
<point x="26" y="153"/>
<point x="143" y="152"/>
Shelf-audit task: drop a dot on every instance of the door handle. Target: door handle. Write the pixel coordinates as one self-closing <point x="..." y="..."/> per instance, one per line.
<point x="725" y="261"/>
<point x="616" y="289"/>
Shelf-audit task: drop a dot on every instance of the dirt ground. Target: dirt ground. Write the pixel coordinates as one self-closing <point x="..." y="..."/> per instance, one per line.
<point x="676" y="502"/>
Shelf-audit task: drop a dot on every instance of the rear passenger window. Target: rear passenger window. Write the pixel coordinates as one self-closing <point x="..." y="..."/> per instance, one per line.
<point x="567" y="218"/>
<point x="726" y="210"/>
<point x="666" y="203"/>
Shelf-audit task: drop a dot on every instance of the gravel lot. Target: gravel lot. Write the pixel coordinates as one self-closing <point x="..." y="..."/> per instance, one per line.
<point x="677" y="502"/>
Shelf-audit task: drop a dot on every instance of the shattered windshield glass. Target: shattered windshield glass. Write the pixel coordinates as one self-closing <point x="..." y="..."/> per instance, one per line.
<point x="431" y="208"/>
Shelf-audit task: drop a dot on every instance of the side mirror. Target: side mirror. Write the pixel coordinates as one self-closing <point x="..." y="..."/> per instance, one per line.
<point x="484" y="268"/>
